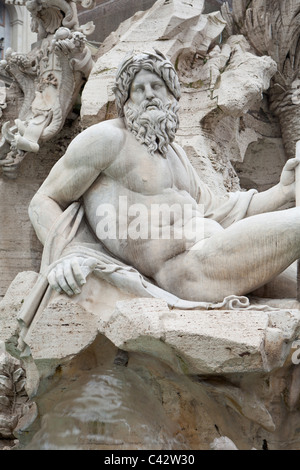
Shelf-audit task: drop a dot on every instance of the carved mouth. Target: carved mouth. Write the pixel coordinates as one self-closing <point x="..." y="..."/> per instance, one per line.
<point x="151" y="106"/>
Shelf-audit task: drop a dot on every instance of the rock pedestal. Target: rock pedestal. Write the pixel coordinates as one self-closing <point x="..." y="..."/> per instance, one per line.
<point x="231" y="370"/>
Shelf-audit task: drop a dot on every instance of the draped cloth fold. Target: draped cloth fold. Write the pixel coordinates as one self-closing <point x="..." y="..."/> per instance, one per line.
<point x="63" y="243"/>
<point x="60" y="235"/>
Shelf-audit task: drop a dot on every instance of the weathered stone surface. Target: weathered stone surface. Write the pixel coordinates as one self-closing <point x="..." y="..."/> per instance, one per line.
<point x="11" y="305"/>
<point x="192" y="342"/>
<point x="16" y="411"/>
<point x="140" y="32"/>
<point x="273" y="29"/>
<point x="107" y="15"/>
<point x="20" y="250"/>
<point x="204" y="342"/>
<point x="223" y="443"/>
<point x="212" y="133"/>
<point x="108" y="407"/>
<point x="63" y="330"/>
<point x="186" y="352"/>
<point x="234" y="389"/>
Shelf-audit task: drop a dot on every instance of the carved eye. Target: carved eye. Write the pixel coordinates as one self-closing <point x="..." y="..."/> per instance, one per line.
<point x="138" y="88"/>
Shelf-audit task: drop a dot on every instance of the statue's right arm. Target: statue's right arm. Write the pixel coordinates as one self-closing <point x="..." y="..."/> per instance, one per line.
<point x="90" y="153"/>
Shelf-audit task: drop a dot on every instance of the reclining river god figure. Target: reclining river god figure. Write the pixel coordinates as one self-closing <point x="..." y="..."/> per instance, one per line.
<point x="145" y="205"/>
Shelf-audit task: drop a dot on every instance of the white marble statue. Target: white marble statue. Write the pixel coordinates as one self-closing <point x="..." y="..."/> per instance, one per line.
<point x="146" y="207"/>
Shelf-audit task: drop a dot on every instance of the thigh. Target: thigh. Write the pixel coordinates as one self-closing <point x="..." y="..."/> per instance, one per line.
<point x="237" y="260"/>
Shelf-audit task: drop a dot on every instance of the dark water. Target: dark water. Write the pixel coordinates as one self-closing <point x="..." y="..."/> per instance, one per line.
<point x="106" y="409"/>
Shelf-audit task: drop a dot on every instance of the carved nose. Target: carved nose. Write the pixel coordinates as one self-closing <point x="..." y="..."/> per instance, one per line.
<point x="149" y="92"/>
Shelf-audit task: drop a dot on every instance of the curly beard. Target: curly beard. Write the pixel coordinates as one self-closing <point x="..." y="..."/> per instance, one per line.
<point x="152" y="123"/>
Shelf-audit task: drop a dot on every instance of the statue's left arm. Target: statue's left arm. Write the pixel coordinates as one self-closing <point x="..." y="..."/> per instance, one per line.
<point x="277" y="196"/>
<point x="226" y="209"/>
<point x="234" y="206"/>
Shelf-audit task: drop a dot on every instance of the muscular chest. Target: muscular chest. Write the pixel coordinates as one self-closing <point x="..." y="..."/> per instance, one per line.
<point x="141" y="172"/>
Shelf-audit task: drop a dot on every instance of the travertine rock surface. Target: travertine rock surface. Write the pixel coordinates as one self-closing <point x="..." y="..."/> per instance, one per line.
<point x="220" y="83"/>
<point x="20" y="250"/>
<point x="11" y="305"/>
<point x="272" y="27"/>
<point x="205" y="342"/>
<point x="233" y="363"/>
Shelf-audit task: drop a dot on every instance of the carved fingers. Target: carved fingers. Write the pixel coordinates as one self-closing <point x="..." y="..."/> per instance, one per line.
<point x="70" y="274"/>
<point x="288" y="172"/>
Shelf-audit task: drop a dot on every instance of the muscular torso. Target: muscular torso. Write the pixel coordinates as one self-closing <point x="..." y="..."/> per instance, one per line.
<point x="134" y="190"/>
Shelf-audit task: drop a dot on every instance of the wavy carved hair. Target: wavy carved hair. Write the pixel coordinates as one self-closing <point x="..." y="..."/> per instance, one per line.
<point x="154" y="62"/>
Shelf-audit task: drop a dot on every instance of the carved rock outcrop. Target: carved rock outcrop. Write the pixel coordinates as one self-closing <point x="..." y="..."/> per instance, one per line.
<point x="243" y="361"/>
<point x="220" y="82"/>
<point x="16" y="410"/>
<point x="273" y="28"/>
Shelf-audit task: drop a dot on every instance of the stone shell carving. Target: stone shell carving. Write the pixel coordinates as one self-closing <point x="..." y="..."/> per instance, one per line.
<point x="50" y="77"/>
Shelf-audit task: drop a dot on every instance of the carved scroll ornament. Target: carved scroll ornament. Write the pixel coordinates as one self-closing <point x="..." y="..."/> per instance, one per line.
<point x="50" y="77"/>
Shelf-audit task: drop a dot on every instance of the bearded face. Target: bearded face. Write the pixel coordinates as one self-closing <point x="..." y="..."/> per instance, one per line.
<point x="153" y="123"/>
<point x="150" y="113"/>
